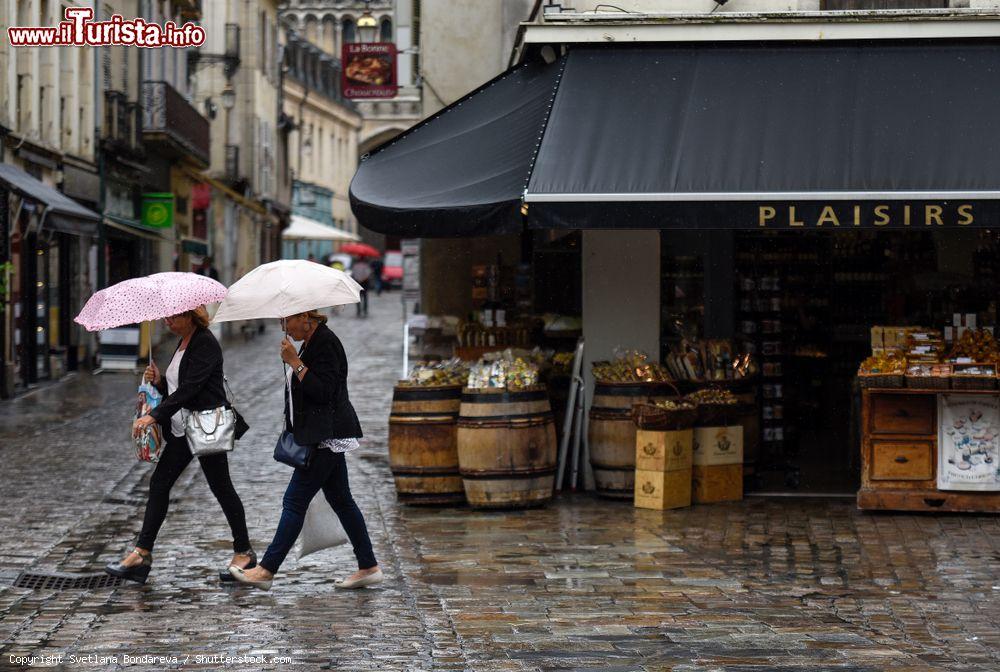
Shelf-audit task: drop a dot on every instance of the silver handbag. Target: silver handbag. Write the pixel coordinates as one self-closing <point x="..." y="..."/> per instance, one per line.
<point x="210" y="432"/>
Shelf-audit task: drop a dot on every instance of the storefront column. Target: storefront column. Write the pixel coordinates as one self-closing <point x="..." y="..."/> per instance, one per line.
<point x="621" y="294"/>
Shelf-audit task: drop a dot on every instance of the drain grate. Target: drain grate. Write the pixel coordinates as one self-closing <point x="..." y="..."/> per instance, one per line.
<point x="57" y="581"/>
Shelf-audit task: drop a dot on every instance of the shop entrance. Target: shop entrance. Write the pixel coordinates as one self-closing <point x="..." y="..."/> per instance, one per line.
<point x="803" y="304"/>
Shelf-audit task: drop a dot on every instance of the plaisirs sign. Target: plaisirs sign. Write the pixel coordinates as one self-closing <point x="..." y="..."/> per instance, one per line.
<point x="158" y="210"/>
<point x="369" y="70"/>
<point x="848" y="215"/>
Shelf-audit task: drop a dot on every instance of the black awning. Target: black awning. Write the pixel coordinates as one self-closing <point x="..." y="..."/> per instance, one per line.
<point x="61" y="212"/>
<point x="463" y="171"/>
<point x="739" y="135"/>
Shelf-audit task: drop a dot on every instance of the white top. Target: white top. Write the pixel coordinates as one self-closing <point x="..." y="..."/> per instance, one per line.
<point x="173" y="375"/>
<point x="335" y="445"/>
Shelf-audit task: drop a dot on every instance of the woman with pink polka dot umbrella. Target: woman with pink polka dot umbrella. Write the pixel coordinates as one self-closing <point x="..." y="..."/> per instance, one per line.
<point x="192" y="385"/>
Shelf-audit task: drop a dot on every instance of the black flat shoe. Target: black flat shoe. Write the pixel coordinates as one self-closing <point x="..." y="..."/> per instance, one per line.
<point x="137" y="573"/>
<point x="225" y="576"/>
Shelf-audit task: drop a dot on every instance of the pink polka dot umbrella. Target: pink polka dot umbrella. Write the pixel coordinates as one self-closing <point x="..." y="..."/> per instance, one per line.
<point x="148" y="298"/>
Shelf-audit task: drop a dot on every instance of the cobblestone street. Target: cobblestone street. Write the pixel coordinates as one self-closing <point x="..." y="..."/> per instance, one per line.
<point x="583" y="584"/>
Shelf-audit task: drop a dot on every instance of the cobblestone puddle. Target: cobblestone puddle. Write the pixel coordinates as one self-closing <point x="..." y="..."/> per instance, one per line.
<point x="582" y="584"/>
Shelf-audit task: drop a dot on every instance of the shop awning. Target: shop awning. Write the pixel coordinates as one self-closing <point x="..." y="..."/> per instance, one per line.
<point x="61" y="212"/>
<point x="134" y="227"/>
<point x="304" y="228"/>
<point x="717" y="136"/>
<point x="461" y="172"/>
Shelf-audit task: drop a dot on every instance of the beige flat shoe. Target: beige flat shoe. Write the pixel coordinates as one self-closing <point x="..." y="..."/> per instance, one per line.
<point x="372" y="579"/>
<point x="241" y="577"/>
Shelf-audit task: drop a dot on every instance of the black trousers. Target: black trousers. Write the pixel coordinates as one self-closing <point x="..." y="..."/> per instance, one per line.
<point x="175" y="458"/>
<point x="327" y="472"/>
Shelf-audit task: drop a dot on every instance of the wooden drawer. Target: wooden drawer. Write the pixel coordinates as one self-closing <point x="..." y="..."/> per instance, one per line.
<point x="902" y="461"/>
<point x="903" y="414"/>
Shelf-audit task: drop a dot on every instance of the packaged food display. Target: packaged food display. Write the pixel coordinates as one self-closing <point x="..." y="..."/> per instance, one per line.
<point x="630" y="366"/>
<point x="562" y="363"/>
<point x="449" y="372"/>
<point x="976" y="346"/>
<point x="503" y="372"/>
<point x="712" y="398"/>
<point x="883" y="362"/>
<point x="929" y="376"/>
<point x="714" y="359"/>
<point x="924" y="346"/>
<point x="671" y="405"/>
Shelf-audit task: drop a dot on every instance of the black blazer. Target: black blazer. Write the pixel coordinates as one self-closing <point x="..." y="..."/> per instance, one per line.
<point x="199" y="381"/>
<point x="322" y="410"/>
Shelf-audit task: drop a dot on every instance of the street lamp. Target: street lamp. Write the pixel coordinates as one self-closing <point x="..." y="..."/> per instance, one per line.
<point x="367" y="25"/>
<point x="228" y="97"/>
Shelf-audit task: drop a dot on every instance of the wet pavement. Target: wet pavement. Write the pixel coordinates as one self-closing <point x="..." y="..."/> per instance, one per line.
<point x="583" y="584"/>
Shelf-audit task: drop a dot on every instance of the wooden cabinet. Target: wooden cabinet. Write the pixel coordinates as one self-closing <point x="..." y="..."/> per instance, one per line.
<point x="904" y="414"/>
<point x="899" y="455"/>
<point x="902" y="461"/>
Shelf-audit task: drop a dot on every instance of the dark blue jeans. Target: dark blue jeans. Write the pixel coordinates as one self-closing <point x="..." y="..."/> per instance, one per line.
<point x="327" y="472"/>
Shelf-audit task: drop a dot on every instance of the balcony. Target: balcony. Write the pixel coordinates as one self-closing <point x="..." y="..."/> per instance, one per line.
<point x="172" y="125"/>
<point x="122" y="132"/>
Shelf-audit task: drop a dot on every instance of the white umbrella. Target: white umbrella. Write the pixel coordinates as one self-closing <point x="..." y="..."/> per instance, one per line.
<point x="287" y="287"/>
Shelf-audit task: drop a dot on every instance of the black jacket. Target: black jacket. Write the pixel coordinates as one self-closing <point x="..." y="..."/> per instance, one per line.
<point x="321" y="407"/>
<point x="199" y="381"/>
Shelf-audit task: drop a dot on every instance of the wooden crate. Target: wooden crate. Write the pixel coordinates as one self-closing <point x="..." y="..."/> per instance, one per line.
<point x="661" y="490"/>
<point x="716" y="483"/>
<point x="718" y="445"/>
<point x="663" y="451"/>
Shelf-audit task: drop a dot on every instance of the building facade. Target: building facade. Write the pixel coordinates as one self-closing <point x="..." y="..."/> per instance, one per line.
<point x="49" y="138"/>
<point x="236" y="79"/>
<point x="330" y="24"/>
<point x="323" y="143"/>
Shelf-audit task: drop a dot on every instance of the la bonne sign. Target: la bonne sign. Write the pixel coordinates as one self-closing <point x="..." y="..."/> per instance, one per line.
<point x="815" y="215"/>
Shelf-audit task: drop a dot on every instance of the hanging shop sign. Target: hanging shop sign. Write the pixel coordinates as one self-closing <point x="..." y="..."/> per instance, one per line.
<point x="968" y="442"/>
<point x="369" y="70"/>
<point x="158" y="210"/>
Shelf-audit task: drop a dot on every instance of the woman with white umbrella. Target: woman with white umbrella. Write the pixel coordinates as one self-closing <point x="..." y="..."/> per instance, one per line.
<point x="319" y="417"/>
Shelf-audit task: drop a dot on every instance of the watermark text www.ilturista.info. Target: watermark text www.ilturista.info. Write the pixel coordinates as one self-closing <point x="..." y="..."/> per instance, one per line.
<point x="79" y="29"/>
<point x="163" y="661"/>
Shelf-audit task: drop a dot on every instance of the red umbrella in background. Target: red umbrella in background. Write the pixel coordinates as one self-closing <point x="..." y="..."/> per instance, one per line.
<point x="359" y="250"/>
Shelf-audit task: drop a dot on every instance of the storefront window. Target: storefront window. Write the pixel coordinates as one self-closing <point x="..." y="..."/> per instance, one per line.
<point x="803" y="304"/>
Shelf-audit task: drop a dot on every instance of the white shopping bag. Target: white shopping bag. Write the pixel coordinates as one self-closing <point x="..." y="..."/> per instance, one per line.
<point x="322" y="528"/>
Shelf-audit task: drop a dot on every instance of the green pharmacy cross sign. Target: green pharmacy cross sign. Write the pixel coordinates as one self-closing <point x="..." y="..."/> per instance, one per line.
<point x="158" y="210"/>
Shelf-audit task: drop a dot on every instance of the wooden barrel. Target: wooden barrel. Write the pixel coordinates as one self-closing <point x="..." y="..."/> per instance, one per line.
<point x="423" y="454"/>
<point x="611" y="433"/>
<point x="506" y="447"/>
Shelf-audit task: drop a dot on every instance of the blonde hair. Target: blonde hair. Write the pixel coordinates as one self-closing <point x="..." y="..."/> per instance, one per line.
<point x="316" y="316"/>
<point x="199" y="316"/>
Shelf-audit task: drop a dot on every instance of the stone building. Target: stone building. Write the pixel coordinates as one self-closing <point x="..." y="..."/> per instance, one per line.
<point x="330" y="24"/>
<point x="50" y="130"/>
<point x="236" y="79"/>
<point x="323" y="145"/>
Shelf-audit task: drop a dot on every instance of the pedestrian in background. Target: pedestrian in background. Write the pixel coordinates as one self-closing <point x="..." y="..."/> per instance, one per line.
<point x="318" y="412"/>
<point x="192" y="382"/>
<point x="361" y="271"/>
<point x="208" y="269"/>
<point x="377" y="266"/>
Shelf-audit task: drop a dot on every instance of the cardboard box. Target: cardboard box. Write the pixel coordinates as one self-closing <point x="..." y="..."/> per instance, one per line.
<point x="663" y="451"/>
<point x="661" y="490"/>
<point x="715" y="483"/>
<point x="718" y="445"/>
